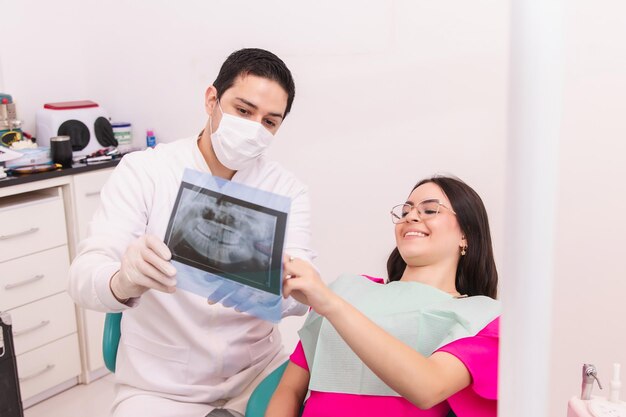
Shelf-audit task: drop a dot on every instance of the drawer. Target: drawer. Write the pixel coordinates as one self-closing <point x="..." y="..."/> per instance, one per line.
<point x="87" y="197"/>
<point x="42" y="322"/>
<point x="32" y="277"/>
<point x="50" y="365"/>
<point x="31" y="226"/>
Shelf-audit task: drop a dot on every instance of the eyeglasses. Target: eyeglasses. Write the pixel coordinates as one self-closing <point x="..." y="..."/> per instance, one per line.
<point x="426" y="210"/>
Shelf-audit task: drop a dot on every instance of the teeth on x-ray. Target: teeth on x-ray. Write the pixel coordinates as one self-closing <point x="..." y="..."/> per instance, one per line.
<point x="218" y="232"/>
<point x="223" y="235"/>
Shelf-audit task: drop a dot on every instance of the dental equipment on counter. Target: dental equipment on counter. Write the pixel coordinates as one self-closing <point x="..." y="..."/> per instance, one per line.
<point x="592" y="406"/>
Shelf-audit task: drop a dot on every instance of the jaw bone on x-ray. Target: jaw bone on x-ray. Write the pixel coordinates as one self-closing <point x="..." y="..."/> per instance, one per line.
<point x="216" y="232"/>
<point x="227" y="242"/>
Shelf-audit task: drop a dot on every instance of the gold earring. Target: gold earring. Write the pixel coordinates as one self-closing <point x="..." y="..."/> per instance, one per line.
<point x="463" y="252"/>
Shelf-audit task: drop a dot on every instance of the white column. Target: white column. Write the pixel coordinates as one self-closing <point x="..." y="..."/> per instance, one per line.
<point x="527" y="274"/>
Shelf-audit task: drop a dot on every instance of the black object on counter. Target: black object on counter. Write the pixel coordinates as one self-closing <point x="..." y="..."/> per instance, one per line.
<point x="80" y="136"/>
<point x="61" y="150"/>
<point x="104" y="132"/>
<point x="10" y="396"/>
<point x="78" y="133"/>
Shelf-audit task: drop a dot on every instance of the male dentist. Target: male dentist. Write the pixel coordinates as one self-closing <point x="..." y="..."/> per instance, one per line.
<point x="179" y="355"/>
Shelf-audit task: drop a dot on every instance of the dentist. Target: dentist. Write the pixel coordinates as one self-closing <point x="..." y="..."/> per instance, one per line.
<point x="178" y="355"/>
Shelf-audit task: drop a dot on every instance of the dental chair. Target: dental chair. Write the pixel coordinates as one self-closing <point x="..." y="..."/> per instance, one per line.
<point x="111" y="339"/>
<point x="259" y="400"/>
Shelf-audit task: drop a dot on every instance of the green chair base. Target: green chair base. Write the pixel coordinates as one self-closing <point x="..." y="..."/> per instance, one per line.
<point x="260" y="398"/>
<point x="111" y="339"/>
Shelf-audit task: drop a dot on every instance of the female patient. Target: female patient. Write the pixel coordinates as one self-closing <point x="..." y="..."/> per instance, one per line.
<point x="422" y="344"/>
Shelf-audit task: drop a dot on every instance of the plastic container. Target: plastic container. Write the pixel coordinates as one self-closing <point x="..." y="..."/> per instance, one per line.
<point x="150" y="139"/>
<point x="37" y="156"/>
<point x="123" y="133"/>
<point x="615" y="385"/>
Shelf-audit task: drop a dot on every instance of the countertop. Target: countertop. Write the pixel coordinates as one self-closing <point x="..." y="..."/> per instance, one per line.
<point x="77" y="168"/>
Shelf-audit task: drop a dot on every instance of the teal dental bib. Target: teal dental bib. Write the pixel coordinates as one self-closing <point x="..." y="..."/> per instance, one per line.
<point x="419" y="315"/>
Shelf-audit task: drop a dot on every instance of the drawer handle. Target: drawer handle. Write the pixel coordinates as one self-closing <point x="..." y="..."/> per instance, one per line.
<point x="26" y="232"/>
<point x="43" y="323"/>
<point x="25" y="282"/>
<point x="48" y="367"/>
<point x="92" y="194"/>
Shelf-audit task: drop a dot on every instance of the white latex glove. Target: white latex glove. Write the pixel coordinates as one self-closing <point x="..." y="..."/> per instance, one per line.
<point x="145" y="265"/>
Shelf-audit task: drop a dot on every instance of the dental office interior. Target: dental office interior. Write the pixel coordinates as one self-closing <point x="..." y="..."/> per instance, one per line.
<point x="523" y="100"/>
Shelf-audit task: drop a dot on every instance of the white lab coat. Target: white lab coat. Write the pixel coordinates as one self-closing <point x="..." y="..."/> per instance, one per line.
<point x="177" y="354"/>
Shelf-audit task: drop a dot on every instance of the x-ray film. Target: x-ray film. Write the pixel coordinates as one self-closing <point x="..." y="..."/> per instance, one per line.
<point x="227" y="242"/>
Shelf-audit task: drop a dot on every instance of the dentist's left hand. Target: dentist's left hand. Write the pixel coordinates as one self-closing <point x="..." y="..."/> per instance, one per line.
<point x="145" y="265"/>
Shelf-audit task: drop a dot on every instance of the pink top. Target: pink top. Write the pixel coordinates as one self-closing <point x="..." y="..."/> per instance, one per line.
<point x="479" y="354"/>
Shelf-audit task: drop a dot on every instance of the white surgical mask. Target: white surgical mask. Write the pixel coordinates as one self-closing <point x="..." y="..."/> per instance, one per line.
<point x="238" y="142"/>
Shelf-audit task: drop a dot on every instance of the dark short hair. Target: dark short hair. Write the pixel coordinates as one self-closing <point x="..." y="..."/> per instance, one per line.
<point x="476" y="272"/>
<point x="257" y="62"/>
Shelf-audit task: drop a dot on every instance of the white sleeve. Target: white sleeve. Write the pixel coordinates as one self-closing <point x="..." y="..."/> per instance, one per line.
<point x="121" y="218"/>
<point x="298" y="243"/>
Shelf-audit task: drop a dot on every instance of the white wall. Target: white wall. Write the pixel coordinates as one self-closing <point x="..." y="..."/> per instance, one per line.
<point x="388" y="92"/>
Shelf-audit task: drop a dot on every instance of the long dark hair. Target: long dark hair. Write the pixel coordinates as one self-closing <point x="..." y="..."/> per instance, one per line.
<point x="476" y="272"/>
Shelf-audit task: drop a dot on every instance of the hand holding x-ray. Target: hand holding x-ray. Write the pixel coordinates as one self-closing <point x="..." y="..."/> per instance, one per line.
<point x="226" y="241"/>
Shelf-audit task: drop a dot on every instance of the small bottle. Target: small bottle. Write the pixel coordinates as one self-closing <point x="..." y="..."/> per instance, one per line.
<point x="615" y="385"/>
<point x="150" y="139"/>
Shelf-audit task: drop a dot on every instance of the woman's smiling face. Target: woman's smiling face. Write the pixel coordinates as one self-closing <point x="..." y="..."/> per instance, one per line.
<point x="431" y="241"/>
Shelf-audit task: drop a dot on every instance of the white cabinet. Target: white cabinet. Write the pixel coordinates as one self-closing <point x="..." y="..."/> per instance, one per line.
<point x="86" y="191"/>
<point x="30" y="223"/>
<point x="41" y="223"/>
<point x="32" y="277"/>
<point x="34" y="260"/>
<point x="48" y="366"/>
<point x="42" y="322"/>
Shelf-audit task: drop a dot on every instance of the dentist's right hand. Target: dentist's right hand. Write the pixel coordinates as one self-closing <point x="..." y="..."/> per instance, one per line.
<point x="145" y="265"/>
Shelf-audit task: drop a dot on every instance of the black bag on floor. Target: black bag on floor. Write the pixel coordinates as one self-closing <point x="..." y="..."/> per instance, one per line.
<point x="10" y="398"/>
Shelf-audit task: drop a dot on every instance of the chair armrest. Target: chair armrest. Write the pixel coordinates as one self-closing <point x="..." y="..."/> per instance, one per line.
<point x="111" y="339"/>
